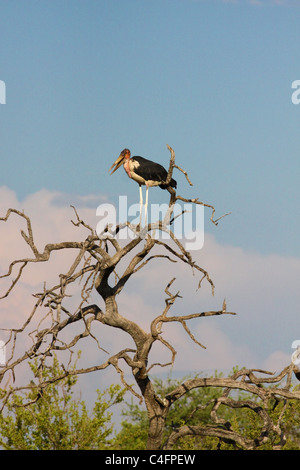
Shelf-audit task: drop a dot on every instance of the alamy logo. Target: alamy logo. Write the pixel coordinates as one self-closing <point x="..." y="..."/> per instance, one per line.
<point x="296" y="354"/>
<point x="185" y="222"/>
<point x="2" y="353"/>
<point x="2" y="92"/>
<point x="296" y="94"/>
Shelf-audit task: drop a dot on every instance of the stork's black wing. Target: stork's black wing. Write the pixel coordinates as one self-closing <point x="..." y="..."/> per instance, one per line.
<point x="152" y="171"/>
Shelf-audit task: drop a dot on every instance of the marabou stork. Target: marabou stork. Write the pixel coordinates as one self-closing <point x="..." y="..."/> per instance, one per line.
<point x="145" y="172"/>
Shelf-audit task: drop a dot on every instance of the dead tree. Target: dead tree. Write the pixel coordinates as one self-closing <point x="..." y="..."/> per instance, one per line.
<point x="96" y="268"/>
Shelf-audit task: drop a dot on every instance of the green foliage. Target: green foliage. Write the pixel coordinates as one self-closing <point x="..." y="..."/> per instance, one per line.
<point x="131" y="437"/>
<point x="194" y="409"/>
<point x="134" y="431"/>
<point x="55" y="420"/>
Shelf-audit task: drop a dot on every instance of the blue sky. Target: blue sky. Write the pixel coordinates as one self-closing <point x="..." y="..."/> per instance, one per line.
<point x="210" y="78"/>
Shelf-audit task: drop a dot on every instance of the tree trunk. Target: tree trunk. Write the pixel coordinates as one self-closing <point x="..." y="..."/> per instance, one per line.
<point x="157" y="413"/>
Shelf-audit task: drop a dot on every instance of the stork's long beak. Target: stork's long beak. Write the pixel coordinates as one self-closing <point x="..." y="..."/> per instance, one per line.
<point x="117" y="164"/>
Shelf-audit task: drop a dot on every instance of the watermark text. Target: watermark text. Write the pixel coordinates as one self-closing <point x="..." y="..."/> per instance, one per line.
<point x="296" y="94"/>
<point x="296" y="354"/>
<point x="2" y="353"/>
<point x="2" y="92"/>
<point x="185" y="222"/>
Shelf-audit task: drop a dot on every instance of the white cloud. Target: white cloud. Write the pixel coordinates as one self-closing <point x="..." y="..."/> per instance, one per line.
<point x="276" y="361"/>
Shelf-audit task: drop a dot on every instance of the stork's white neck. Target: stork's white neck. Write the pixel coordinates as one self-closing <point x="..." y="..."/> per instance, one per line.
<point x="126" y="168"/>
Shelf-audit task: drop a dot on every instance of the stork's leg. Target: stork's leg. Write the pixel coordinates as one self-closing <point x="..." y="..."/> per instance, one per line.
<point x="141" y="204"/>
<point x="146" y="203"/>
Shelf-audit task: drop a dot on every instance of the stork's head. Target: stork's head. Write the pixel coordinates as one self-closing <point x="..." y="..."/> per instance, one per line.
<point x="124" y="155"/>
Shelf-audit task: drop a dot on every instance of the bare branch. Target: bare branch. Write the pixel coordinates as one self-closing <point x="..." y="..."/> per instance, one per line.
<point x="185" y="174"/>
